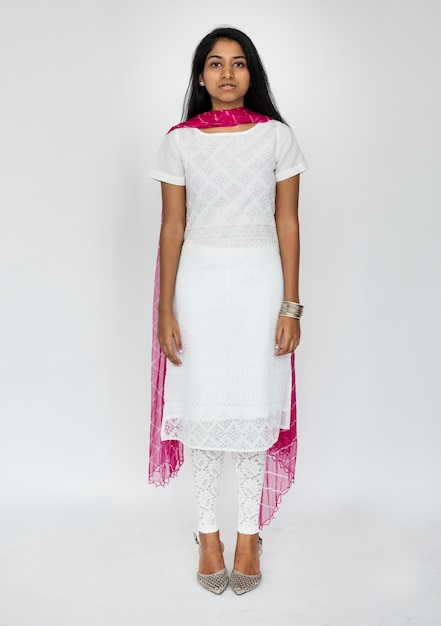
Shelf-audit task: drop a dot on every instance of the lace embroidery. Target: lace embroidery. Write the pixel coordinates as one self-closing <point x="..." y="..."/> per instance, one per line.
<point x="250" y="471"/>
<point x="207" y="469"/>
<point x="227" y="434"/>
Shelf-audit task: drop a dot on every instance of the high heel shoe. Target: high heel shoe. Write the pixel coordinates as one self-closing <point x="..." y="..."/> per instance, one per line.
<point x="241" y="583"/>
<point x="217" y="582"/>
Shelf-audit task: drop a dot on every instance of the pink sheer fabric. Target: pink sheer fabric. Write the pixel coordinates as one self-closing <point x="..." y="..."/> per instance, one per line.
<point x="280" y="463"/>
<point x="166" y="457"/>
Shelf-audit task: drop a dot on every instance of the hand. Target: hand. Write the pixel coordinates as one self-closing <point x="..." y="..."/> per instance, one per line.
<point x="169" y="337"/>
<point x="287" y="335"/>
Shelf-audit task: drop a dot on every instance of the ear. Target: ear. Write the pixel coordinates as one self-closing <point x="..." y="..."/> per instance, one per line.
<point x="201" y="80"/>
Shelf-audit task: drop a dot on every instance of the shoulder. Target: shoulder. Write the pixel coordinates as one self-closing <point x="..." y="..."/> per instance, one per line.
<point x="279" y="134"/>
<point x="177" y="136"/>
<point x="285" y="136"/>
<point x="171" y="142"/>
<point x="282" y="129"/>
<point x="279" y="130"/>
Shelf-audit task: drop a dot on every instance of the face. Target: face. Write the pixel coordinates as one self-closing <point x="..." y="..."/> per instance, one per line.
<point x="225" y="75"/>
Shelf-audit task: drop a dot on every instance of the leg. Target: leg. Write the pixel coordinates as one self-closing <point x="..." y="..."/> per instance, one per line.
<point x="250" y="471"/>
<point x="207" y="470"/>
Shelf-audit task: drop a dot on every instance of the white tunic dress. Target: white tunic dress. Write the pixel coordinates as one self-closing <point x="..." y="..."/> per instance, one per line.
<point x="231" y="392"/>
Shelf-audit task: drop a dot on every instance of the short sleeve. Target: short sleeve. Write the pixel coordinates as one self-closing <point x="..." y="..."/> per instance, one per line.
<point x="289" y="157"/>
<point x="168" y="166"/>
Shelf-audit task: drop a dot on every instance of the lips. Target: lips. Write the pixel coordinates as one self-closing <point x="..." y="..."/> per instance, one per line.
<point x="227" y="86"/>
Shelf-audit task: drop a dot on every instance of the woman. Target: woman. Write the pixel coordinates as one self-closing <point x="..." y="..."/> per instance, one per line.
<point x="228" y="304"/>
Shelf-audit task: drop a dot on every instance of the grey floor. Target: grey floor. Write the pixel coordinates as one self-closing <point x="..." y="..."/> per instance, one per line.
<point x="132" y="562"/>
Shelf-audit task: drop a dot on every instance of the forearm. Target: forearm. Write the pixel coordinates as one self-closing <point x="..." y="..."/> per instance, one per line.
<point x="170" y="252"/>
<point x="170" y="243"/>
<point x="287" y="224"/>
<point x="288" y="328"/>
<point x="289" y="244"/>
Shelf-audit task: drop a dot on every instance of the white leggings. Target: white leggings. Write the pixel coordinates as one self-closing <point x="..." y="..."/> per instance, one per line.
<point x="250" y="471"/>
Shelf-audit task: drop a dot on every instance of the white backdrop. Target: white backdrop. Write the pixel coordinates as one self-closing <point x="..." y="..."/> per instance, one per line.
<point x="89" y="89"/>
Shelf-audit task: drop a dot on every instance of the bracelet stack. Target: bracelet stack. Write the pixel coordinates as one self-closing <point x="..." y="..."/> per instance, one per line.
<point x="291" y="309"/>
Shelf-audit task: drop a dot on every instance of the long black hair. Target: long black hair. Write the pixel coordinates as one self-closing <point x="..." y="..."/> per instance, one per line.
<point x="259" y="97"/>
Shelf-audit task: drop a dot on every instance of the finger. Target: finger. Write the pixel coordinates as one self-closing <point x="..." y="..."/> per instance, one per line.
<point x="296" y="341"/>
<point x="281" y="350"/>
<point x="178" y="342"/>
<point x="168" y="350"/>
<point x="287" y="347"/>
<point x="279" y="337"/>
<point x="173" y="357"/>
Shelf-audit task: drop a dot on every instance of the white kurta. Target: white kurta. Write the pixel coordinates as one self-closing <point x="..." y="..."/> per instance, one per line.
<point x="231" y="392"/>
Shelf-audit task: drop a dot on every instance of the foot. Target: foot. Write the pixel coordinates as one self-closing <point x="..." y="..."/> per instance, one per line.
<point x="246" y="557"/>
<point x="211" y="559"/>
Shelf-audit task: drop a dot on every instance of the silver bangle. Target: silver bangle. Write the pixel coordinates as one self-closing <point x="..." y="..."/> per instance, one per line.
<point x="291" y="309"/>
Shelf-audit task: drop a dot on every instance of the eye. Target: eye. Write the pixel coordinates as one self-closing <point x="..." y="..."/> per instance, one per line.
<point x="215" y="64"/>
<point x="239" y="64"/>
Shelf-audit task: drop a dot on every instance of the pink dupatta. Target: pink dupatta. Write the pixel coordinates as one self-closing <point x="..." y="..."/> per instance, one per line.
<point x="166" y="457"/>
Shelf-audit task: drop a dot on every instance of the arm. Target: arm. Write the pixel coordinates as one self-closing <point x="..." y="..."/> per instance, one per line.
<point x="287" y="224"/>
<point x="170" y="242"/>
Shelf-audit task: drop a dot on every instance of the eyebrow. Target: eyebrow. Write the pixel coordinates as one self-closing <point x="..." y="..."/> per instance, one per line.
<point x="218" y="56"/>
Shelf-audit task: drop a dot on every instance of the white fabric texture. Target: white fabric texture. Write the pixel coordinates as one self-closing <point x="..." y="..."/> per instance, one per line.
<point x="207" y="470"/>
<point x="250" y="472"/>
<point x="231" y="391"/>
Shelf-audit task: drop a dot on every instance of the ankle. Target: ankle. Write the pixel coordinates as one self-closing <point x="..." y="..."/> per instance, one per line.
<point x="210" y="542"/>
<point x="247" y="543"/>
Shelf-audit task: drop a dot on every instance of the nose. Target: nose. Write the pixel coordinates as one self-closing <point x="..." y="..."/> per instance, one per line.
<point x="227" y="72"/>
